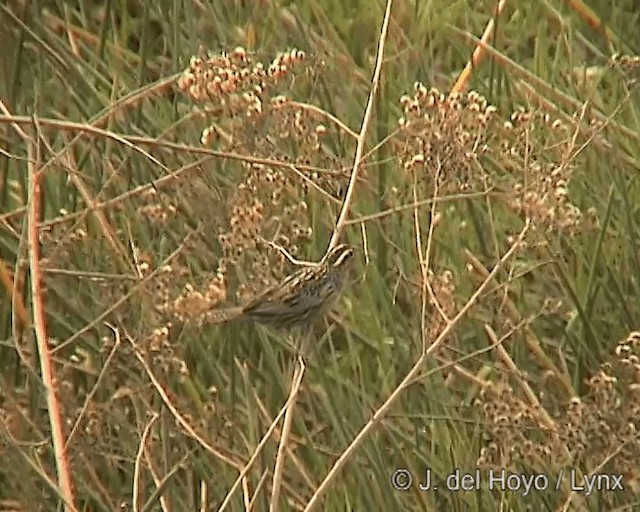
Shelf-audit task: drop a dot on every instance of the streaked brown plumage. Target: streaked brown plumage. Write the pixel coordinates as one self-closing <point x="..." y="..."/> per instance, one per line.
<point x="298" y="300"/>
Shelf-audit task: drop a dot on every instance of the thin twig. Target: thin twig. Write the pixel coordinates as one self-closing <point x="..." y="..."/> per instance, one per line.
<point x="204" y="496"/>
<point x="261" y="482"/>
<point x="375" y="83"/>
<point x="135" y="491"/>
<point x="91" y="393"/>
<point x="285" y="253"/>
<point x="284" y="437"/>
<point x="160" y="483"/>
<point x="131" y="141"/>
<point x="413" y="205"/>
<point x="423" y="259"/>
<point x="324" y="113"/>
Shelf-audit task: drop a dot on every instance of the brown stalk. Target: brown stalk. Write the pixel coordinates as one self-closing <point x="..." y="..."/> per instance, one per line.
<point x="478" y="54"/>
<point x="284" y="437"/>
<point x="39" y="317"/>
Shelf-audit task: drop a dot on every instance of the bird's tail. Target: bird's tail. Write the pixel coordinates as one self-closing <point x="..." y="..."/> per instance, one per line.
<point x="218" y="316"/>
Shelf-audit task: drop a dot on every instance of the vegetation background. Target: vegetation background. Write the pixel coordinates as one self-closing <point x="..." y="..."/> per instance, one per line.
<point x="490" y="322"/>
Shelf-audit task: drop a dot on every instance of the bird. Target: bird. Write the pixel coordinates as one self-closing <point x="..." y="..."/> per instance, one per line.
<point x="301" y="298"/>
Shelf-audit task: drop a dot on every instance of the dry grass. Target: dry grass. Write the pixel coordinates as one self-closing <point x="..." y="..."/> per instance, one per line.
<point x="497" y="246"/>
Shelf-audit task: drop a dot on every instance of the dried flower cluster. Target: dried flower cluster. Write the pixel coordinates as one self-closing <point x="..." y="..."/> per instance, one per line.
<point x="602" y="426"/>
<point x="628" y="63"/>
<point x="218" y="76"/>
<point x="157" y="212"/>
<point x="443" y="307"/>
<point x="440" y="298"/>
<point x="444" y="133"/>
<point x="251" y="117"/>
<point x="537" y="147"/>
<point x="449" y="136"/>
<point x="191" y="304"/>
<point x="232" y="85"/>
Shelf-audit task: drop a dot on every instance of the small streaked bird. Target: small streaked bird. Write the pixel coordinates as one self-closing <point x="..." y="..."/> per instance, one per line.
<point x="300" y="299"/>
